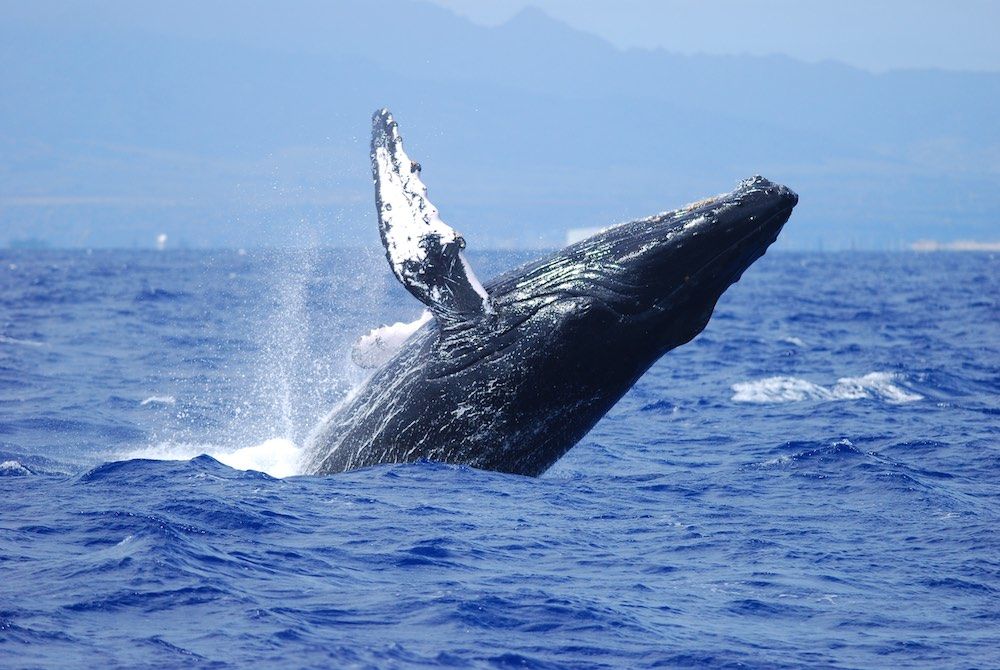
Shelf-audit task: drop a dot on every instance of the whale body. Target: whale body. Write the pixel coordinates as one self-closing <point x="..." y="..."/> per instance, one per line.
<point x="509" y="374"/>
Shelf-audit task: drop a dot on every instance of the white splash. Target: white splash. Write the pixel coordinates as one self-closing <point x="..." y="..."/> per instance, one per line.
<point x="880" y="385"/>
<point x="159" y="400"/>
<point x="380" y="344"/>
<point x="278" y="457"/>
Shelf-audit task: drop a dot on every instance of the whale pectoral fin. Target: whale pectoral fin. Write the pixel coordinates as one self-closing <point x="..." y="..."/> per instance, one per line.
<point x="380" y="344"/>
<point x="424" y="252"/>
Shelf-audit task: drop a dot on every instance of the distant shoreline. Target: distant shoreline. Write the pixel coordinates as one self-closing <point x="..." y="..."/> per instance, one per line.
<point x="957" y="245"/>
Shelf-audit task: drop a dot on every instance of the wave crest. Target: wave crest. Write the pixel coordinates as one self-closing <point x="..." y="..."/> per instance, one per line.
<point x="774" y="390"/>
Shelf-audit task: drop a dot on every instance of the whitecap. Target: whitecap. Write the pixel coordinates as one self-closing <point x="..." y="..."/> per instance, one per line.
<point x="881" y="385"/>
<point x="159" y="400"/>
<point x="13" y="468"/>
<point x="24" y="343"/>
<point x="792" y="340"/>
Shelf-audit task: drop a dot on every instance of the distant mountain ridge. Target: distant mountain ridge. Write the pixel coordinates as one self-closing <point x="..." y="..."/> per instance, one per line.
<point x="246" y="123"/>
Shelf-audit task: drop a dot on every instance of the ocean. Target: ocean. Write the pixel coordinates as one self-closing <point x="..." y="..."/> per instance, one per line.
<point x="812" y="482"/>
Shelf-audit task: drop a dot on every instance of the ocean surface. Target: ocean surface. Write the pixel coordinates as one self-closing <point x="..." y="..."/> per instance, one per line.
<point x="813" y="482"/>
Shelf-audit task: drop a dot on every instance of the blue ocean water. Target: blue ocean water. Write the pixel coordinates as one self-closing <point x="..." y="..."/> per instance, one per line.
<point x="814" y="481"/>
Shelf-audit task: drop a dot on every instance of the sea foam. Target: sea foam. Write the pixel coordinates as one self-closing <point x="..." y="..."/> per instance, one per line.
<point x="880" y="385"/>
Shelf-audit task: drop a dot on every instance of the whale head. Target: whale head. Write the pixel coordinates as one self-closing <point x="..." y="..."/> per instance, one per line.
<point x="650" y="285"/>
<point x="677" y="265"/>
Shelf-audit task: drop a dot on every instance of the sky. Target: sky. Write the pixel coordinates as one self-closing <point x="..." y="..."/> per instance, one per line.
<point x="876" y="35"/>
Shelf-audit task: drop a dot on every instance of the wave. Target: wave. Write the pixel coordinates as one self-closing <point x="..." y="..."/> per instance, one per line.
<point x="278" y="456"/>
<point x="880" y="385"/>
<point x="159" y="400"/>
<point x="24" y="343"/>
<point x="13" y="469"/>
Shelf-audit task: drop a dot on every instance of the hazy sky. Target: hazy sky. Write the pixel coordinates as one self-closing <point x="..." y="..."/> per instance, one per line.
<point x="873" y="34"/>
<point x="245" y="122"/>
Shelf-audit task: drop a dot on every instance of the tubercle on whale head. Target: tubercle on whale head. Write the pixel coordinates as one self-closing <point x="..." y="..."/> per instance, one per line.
<point x="767" y="193"/>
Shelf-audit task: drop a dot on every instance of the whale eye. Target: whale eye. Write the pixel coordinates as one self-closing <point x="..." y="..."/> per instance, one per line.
<point x="415" y="167"/>
<point x="460" y="241"/>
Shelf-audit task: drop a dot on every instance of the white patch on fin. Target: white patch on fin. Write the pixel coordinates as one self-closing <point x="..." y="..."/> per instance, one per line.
<point x="407" y="217"/>
<point x="423" y="251"/>
<point x="380" y="344"/>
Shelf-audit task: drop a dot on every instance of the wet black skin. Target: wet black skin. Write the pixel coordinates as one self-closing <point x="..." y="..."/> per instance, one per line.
<point x="569" y="335"/>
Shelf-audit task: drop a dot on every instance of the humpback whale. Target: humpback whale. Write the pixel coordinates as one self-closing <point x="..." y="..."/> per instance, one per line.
<point x="509" y="374"/>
